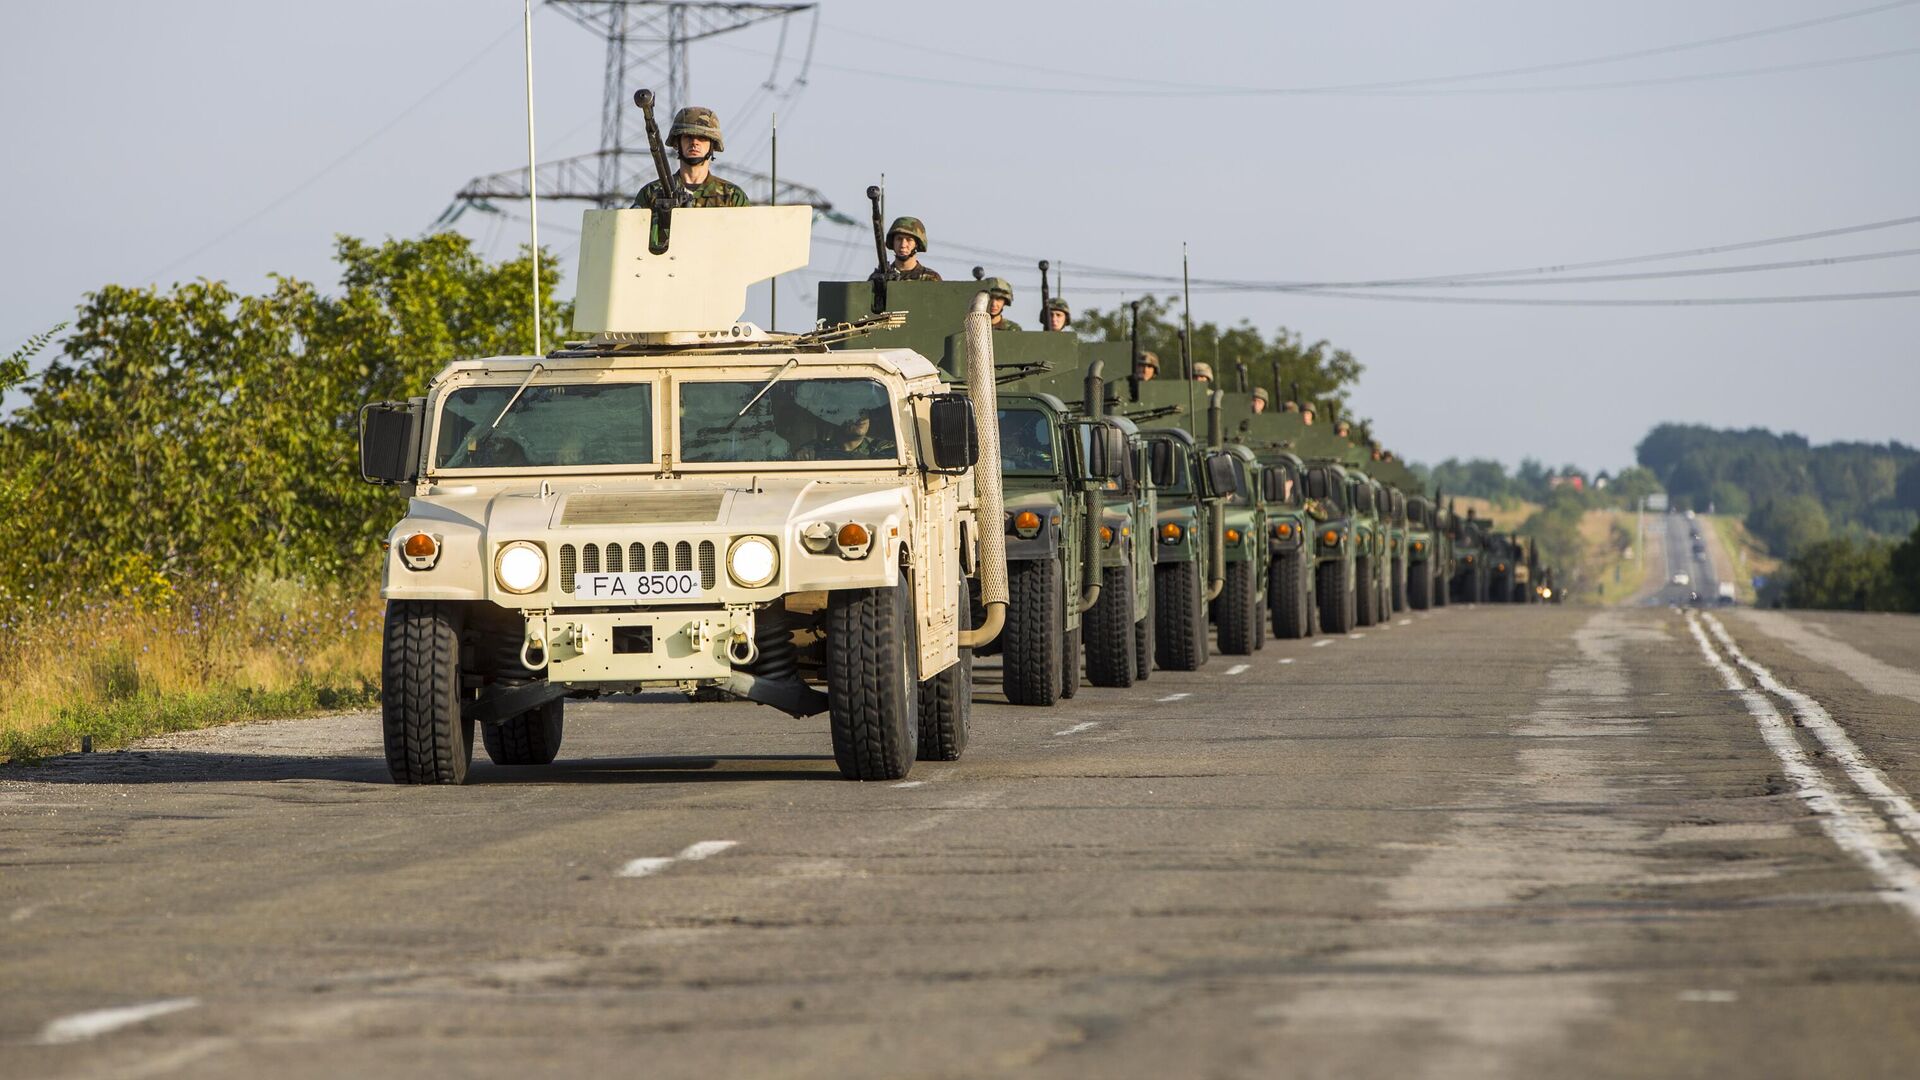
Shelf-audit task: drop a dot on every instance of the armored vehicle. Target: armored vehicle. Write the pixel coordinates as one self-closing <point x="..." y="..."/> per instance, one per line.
<point x="1240" y="612"/>
<point x="1336" y="551"/>
<point x="680" y="501"/>
<point x="1279" y="440"/>
<point x="1425" y="583"/>
<point x="1119" y="626"/>
<point x="1470" y="564"/>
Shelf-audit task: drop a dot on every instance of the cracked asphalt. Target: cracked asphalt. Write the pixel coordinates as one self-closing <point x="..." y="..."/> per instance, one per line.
<point x="1487" y="842"/>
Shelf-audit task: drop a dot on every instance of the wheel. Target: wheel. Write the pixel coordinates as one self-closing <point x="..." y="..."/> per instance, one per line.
<point x="532" y="738"/>
<point x="873" y="689"/>
<point x="1259" y="612"/>
<point x="1420" y="586"/>
<point x="1399" y="584"/>
<point x="427" y="740"/>
<point x="1143" y="648"/>
<point x="1288" y="594"/>
<point x="1179" y="631"/>
<point x="1366" y="594"/>
<point x="1036" y="633"/>
<point x="1109" y="628"/>
<point x="1442" y="587"/>
<point x="946" y="711"/>
<point x="1337" y="601"/>
<point x="1070" y="662"/>
<point x="1237" y="613"/>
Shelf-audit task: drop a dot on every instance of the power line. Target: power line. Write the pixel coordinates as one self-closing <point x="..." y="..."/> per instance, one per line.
<point x="1657" y="80"/>
<point x="1697" y="301"/>
<point x="1702" y="271"/>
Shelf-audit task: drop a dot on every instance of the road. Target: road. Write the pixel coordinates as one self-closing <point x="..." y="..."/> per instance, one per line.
<point x="1481" y="842"/>
<point x="1689" y="545"/>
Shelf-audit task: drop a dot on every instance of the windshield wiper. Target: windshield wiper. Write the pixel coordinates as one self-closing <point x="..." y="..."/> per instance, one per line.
<point x="792" y="362"/>
<point x="538" y="367"/>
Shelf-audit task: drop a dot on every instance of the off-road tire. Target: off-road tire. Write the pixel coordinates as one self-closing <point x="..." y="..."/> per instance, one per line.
<point x="1109" y="629"/>
<point x="873" y="689"/>
<point x="946" y="711"/>
<point x="1287" y="595"/>
<point x="1237" y="612"/>
<point x="1366" y="593"/>
<point x="1420" y="586"/>
<point x="532" y="738"/>
<point x="1070" y="658"/>
<point x="1337" y="600"/>
<point x="1035" y="635"/>
<point x="427" y="740"/>
<point x="1399" y="583"/>
<point x="1143" y="647"/>
<point x="1180" y="633"/>
<point x="1497" y="590"/>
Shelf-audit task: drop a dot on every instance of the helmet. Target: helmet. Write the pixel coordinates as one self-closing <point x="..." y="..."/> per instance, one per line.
<point x="912" y="227"/>
<point x="694" y="120"/>
<point x="1203" y="371"/>
<point x="998" y="287"/>
<point x="1260" y="394"/>
<point x="1290" y="406"/>
<point x="1149" y="358"/>
<point x="1059" y="305"/>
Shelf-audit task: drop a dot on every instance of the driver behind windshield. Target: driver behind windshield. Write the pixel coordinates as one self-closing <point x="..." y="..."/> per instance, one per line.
<point x="851" y="440"/>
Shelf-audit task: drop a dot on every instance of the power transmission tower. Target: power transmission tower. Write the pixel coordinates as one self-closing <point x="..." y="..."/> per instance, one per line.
<point x="644" y="38"/>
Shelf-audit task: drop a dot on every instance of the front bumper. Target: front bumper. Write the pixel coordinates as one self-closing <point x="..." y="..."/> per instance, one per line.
<point x="644" y="645"/>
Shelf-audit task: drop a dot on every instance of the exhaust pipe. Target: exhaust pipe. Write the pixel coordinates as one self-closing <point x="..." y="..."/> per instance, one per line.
<point x="1217" y="531"/>
<point x="989" y="507"/>
<point x="1095" y="407"/>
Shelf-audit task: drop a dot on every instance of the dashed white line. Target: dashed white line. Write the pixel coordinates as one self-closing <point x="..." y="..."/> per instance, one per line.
<point x="705" y="849"/>
<point x="1173" y="697"/>
<point x="1237" y="669"/>
<point x="1357" y="635"/>
<point x="1404" y="622"/>
<point x="1323" y="643"/>
<point x="1286" y="659"/>
<point x="1079" y="727"/>
<point x="86" y="1025"/>
<point x="909" y="784"/>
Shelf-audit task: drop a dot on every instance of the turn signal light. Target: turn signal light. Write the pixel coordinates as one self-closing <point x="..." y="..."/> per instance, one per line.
<point x="1233" y="536"/>
<point x="1171" y="533"/>
<point x="420" y="546"/>
<point x="1469" y="560"/>
<point x="1284" y="529"/>
<point x="1106" y="534"/>
<point x="1330" y="537"/>
<point x="853" y="535"/>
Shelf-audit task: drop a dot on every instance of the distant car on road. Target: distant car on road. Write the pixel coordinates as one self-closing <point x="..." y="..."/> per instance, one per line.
<point x="1683" y="579"/>
<point x="1727" y="594"/>
<point x="1689" y="515"/>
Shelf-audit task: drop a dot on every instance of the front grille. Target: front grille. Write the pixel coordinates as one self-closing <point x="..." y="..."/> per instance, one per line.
<point x="635" y="558"/>
<point x="648" y="508"/>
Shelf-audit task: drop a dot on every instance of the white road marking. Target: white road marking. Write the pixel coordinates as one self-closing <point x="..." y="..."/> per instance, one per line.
<point x="1357" y="635"/>
<point x="1173" y="697"/>
<point x="1854" y="828"/>
<point x="1323" y="643"/>
<point x="1822" y="648"/>
<point x="705" y="849"/>
<point x="1079" y="727"/>
<point x="86" y="1025"/>
<point x="1286" y="659"/>
<point x="1404" y="622"/>
<point x="1237" y="669"/>
<point x="1846" y="753"/>
<point x="909" y="783"/>
<point x="1716" y="996"/>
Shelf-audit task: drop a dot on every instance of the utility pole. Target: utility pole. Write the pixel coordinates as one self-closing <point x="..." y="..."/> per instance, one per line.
<point x="645" y="39"/>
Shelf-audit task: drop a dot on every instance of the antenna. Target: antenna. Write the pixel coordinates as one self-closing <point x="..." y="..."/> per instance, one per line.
<point x="533" y="202"/>
<point x="773" y="199"/>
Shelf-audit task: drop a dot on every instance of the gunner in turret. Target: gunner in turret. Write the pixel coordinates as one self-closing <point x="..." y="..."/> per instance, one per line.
<point x="695" y="136"/>
<point x="907" y="239"/>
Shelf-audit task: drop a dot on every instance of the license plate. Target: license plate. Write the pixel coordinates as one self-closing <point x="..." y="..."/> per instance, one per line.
<point x="658" y="585"/>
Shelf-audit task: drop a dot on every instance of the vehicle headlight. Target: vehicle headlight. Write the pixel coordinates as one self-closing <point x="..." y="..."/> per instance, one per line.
<point x="520" y="567"/>
<point x="751" y="561"/>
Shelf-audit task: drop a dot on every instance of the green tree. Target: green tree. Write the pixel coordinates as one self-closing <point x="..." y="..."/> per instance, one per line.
<point x="1842" y="573"/>
<point x="1903" y="563"/>
<point x="1790" y="525"/>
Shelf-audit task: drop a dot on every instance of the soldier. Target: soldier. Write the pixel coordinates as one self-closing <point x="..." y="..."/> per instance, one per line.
<point x="1306" y="413"/>
<point x="1203" y="372"/>
<point x="1290" y="406"/>
<point x="696" y="138"/>
<point x="850" y="441"/>
<point x="1342" y="428"/>
<point x="1059" y="316"/>
<point x="1259" y="400"/>
<point x="1148" y="367"/>
<point x="999" y="295"/>
<point x="907" y="238"/>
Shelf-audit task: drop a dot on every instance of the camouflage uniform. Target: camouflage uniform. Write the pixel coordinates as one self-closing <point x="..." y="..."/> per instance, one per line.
<point x="912" y="228"/>
<point x="920" y="272"/>
<point x="1004" y="323"/>
<point x="1059" y="305"/>
<point x="831" y="449"/>
<point x="713" y="192"/>
<point x="998" y="288"/>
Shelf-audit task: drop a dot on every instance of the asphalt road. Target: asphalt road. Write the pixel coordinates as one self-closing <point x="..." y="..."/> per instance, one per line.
<point x="1689" y="544"/>
<point x="1512" y="842"/>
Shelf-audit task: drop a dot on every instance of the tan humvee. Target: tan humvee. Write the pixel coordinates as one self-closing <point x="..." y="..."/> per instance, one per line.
<point x="679" y="501"/>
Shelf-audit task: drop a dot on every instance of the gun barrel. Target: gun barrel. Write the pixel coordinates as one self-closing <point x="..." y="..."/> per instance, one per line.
<point x="644" y="99"/>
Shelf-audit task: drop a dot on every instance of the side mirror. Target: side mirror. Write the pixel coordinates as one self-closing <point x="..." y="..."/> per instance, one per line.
<point x="390" y="441"/>
<point x="1223" y="480"/>
<point x="1108" y="457"/>
<point x="952" y="434"/>
<point x="1273" y="485"/>
<point x="1160" y="462"/>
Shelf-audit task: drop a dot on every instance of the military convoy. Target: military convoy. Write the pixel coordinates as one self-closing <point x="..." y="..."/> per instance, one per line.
<point x="838" y="521"/>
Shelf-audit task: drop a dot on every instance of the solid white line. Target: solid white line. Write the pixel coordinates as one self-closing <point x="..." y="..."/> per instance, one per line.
<point x="1286" y="659"/>
<point x="1845" y="751"/>
<point x="1856" y="830"/>
<point x="1323" y="643"/>
<point x="705" y="849"/>
<point x="1173" y="697"/>
<point x="909" y="783"/>
<point x="1237" y="669"/>
<point x="1079" y="727"/>
<point x="100" y="1021"/>
<point x="643" y="867"/>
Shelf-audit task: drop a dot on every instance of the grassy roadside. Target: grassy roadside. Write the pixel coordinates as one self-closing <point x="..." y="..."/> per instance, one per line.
<point x="1749" y="555"/>
<point x="1609" y="537"/>
<point x="121" y="671"/>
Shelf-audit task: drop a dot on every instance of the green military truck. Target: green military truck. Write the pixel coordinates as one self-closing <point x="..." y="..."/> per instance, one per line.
<point x="1119" y="627"/>
<point x="1469" y="584"/>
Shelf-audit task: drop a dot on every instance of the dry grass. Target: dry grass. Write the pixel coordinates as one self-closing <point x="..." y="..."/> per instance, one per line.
<point x="1613" y="578"/>
<point x="118" y="671"/>
<point x="1749" y="555"/>
<point x="1506" y="515"/>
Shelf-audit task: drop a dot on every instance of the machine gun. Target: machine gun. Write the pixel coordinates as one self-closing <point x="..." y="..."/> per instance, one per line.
<point x="1045" y="298"/>
<point x="671" y="194"/>
<point x="883" y="271"/>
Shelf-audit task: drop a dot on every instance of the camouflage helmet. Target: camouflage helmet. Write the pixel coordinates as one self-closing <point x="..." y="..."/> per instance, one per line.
<point x="910" y="226"/>
<point x="694" y="120"/>
<point x="1290" y="406"/>
<point x="997" y="286"/>
<point x="1149" y="359"/>
<point x="1203" y="371"/>
<point x="1060" y="305"/>
<point x="1260" y="394"/>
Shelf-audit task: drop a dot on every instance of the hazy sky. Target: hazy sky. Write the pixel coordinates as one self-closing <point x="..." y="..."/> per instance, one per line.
<point x="1097" y="134"/>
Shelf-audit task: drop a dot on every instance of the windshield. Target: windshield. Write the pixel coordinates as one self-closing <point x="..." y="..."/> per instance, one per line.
<point x="568" y="424"/>
<point x="1322" y="486"/>
<point x="795" y="420"/>
<point x="1027" y="443"/>
<point x="1181" y="480"/>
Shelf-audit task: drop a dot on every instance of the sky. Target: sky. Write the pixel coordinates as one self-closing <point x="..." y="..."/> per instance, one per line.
<point x="154" y="143"/>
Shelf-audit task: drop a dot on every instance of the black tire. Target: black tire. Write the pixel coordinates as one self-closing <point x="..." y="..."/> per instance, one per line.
<point x="1288" y="594"/>
<point x="946" y="711"/>
<point x="1442" y="588"/>
<point x="1497" y="590"/>
<point x="1109" y="629"/>
<point x="1036" y="632"/>
<point x="1366" y="593"/>
<point x="1237" y="612"/>
<point x="1259" y="614"/>
<point x="1337" y="600"/>
<point x="1070" y="660"/>
<point x="1180" y="634"/>
<point x="1143" y="648"/>
<point x="532" y="738"/>
<point x="873" y="689"/>
<point x="1399" y="583"/>
<point x="1420" y="586"/>
<point x="427" y="739"/>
